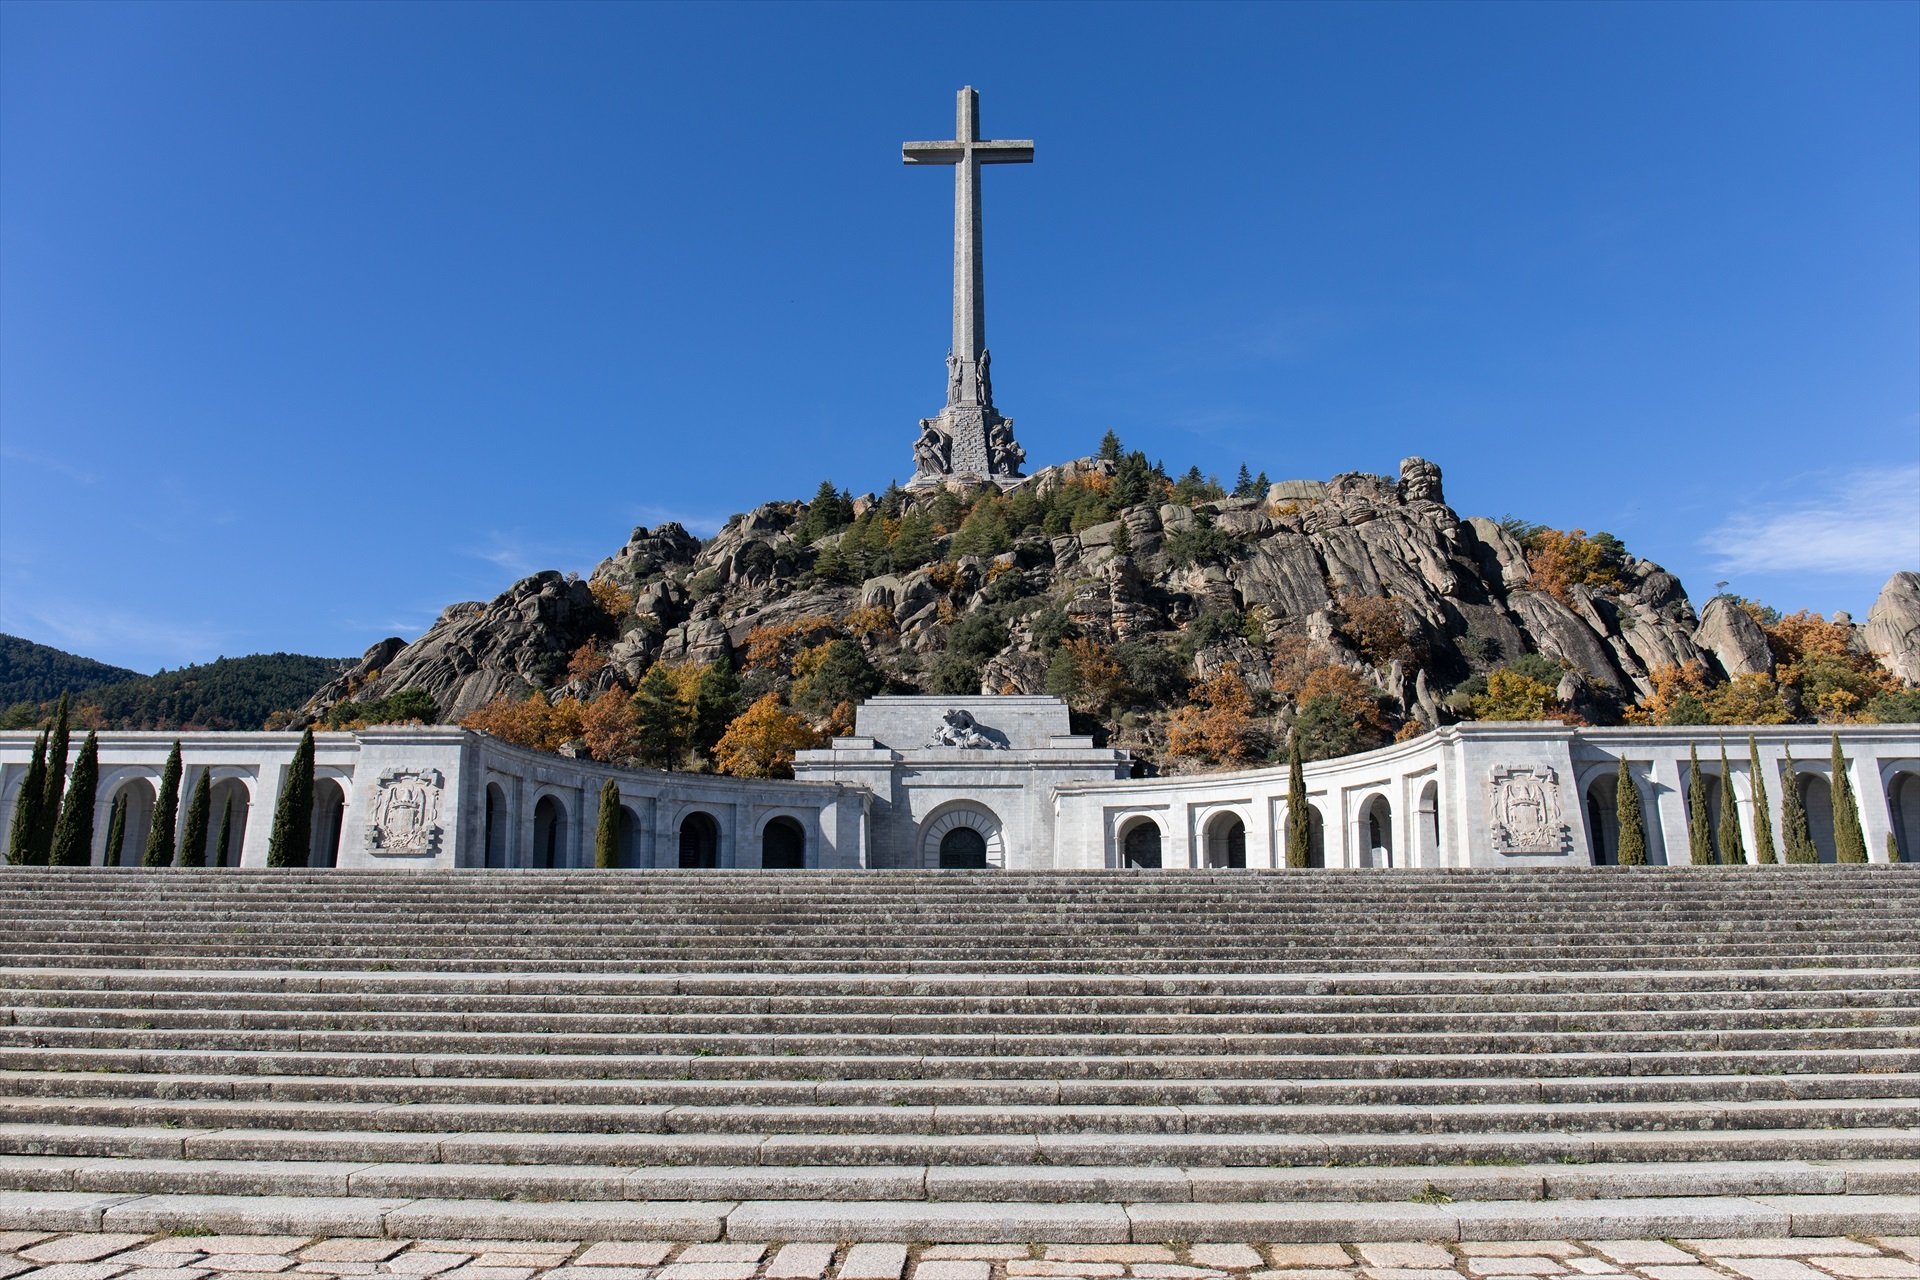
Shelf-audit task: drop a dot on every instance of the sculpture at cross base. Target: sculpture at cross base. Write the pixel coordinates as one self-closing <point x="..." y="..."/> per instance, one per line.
<point x="970" y="439"/>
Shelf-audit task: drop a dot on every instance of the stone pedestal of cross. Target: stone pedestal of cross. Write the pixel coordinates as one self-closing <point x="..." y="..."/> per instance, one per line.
<point x="970" y="438"/>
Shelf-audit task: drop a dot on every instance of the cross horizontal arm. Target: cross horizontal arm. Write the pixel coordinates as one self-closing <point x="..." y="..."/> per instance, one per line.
<point x="1008" y="152"/>
<point x="932" y="152"/>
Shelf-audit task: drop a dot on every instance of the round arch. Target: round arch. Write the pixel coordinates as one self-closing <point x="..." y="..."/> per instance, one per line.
<point x="550" y="834"/>
<point x="1376" y="831"/>
<point x="1817" y="795"/>
<point x="232" y="796"/>
<point x="699" y="839"/>
<point x="962" y="814"/>
<point x="1223" y="839"/>
<point x="329" y="814"/>
<point x="497" y="829"/>
<point x="1425" y="851"/>
<point x="783" y="843"/>
<point x="1903" y="813"/>
<point x="139" y="790"/>
<point x="1141" y="842"/>
<point x="1600" y="805"/>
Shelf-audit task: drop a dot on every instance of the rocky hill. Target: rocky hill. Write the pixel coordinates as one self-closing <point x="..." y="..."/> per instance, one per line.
<point x="1364" y="601"/>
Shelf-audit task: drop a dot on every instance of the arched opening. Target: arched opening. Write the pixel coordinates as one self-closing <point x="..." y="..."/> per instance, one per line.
<point x="329" y="808"/>
<point x="699" y="841"/>
<point x="1429" y="828"/>
<point x="231" y="804"/>
<point x="1903" y="815"/>
<point x="1226" y="841"/>
<point x="1140" y="846"/>
<point x="549" y="833"/>
<point x="627" y="841"/>
<point x="783" y="845"/>
<point x="1712" y="783"/>
<point x="1818" y="798"/>
<point x="1316" y="838"/>
<point x="138" y="795"/>
<point x="963" y="849"/>
<point x="1376" y="826"/>
<point x="1603" y="823"/>
<point x="495" y="854"/>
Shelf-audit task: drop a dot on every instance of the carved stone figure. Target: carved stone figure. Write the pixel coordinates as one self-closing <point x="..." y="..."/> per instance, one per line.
<point x="1004" y="456"/>
<point x="932" y="450"/>
<point x="959" y="729"/>
<point x="406" y="812"/>
<point x="1524" y="812"/>
<point x="986" y="379"/>
<point x="953" y="378"/>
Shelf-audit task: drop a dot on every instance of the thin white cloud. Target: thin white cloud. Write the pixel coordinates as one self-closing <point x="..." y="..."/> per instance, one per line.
<point x="58" y="466"/>
<point x="703" y="526"/>
<point x="1866" y="523"/>
<point x="105" y="635"/>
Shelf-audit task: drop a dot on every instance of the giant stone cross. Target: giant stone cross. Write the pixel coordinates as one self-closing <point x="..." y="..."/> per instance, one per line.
<point x="969" y="439"/>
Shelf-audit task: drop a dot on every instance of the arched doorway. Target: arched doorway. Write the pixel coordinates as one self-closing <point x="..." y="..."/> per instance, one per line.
<point x="1903" y="815"/>
<point x="1140" y="846"/>
<point x="963" y="849"/>
<point x="627" y="838"/>
<point x="1603" y="823"/>
<point x="1376" y="833"/>
<point x="783" y="845"/>
<point x="495" y="851"/>
<point x="699" y="841"/>
<point x="138" y="795"/>
<point x="1818" y="798"/>
<point x="1226" y="841"/>
<point x="329" y="808"/>
<point x="549" y="833"/>
<point x="231" y="803"/>
<point x="1428" y="852"/>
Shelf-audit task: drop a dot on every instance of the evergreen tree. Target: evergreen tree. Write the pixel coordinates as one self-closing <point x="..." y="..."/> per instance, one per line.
<point x="912" y="542"/>
<point x="1762" y="808"/>
<point x="1243" y="483"/>
<point x="829" y="512"/>
<point x="1299" y="833"/>
<point x="1849" y="841"/>
<point x="291" y="844"/>
<point x="1261" y="485"/>
<point x="1733" y="849"/>
<point x="116" y="831"/>
<point x="660" y="722"/>
<point x="73" y="836"/>
<point x="606" y="833"/>
<point x="1626" y="812"/>
<point x="26" y="808"/>
<point x="1699" y="832"/>
<point x="1793" y="817"/>
<point x="166" y="808"/>
<point x="1109" y="447"/>
<point x="193" y="842"/>
<point x="53" y="788"/>
<point x="226" y="834"/>
<point x="716" y="701"/>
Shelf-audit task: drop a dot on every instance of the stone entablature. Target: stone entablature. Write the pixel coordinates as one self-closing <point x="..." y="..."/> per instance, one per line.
<point x="1008" y="772"/>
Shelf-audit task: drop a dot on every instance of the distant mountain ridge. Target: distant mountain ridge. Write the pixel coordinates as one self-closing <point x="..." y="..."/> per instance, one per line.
<point x="228" y="693"/>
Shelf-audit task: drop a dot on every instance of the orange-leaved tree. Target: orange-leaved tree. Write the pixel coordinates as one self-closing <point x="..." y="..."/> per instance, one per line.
<point x="762" y="741"/>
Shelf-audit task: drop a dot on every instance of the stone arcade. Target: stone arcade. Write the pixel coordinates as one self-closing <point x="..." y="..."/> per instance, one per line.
<point x="997" y="782"/>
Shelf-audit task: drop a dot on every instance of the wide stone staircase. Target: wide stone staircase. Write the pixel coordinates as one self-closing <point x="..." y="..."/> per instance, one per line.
<point x="963" y="1056"/>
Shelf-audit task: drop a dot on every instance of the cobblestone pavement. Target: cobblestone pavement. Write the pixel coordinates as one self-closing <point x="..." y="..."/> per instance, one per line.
<point x="34" y="1255"/>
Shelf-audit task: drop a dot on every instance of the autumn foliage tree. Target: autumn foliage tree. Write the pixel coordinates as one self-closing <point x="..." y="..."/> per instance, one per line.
<point x="762" y="742"/>
<point x="1217" y="725"/>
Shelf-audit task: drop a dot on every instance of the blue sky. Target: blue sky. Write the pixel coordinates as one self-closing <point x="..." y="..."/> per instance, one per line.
<point x="317" y="318"/>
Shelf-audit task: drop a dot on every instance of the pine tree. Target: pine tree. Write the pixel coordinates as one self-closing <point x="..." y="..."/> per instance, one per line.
<point x="116" y="831"/>
<point x="193" y="843"/>
<point x="1733" y="849"/>
<point x="26" y="808"/>
<point x="912" y="542"/>
<point x="1699" y="833"/>
<point x="166" y="810"/>
<point x="73" y="836"/>
<point x="660" y="722"/>
<point x="226" y="834"/>
<point x="291" y="843"/>
<point x="1762" y="808"/>
<point x="606" y="835"/>
<point x="1849" y="841"/>
<point x="1299" y="836"/>
<point x="716" y="701"/>
<point x="1626" y="812"/>
<point x="1109" y="447"/>
<point x="1243" y="483"/>
<point x="1793" y="817"/>
<point x="54" y="787"/>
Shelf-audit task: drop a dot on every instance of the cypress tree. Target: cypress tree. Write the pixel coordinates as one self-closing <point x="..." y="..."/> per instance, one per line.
<point x="54" y="787"/>
<point x="226" y="831"/>
<point x="1793" y="817"/>
<point x="1299" y="843"/>
<point x="291" y="843"/>
<point x="1762" y="809"/>
<point x="1849" y="841"/>
<point x="1733" y="848"/>
<point x="193" y="842"/>
<point x="166" y="809"/>
<point x="1699" y="832"/>
<point x="1626" y="813"/>
<point x="26" y="808"/>
<point x="606" y="835"/>
<point x="116" y="831"/>
<point x="73" y="836"/>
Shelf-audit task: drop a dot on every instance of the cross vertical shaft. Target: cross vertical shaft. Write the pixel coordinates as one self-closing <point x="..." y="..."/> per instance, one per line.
<point x="969" y="271"/>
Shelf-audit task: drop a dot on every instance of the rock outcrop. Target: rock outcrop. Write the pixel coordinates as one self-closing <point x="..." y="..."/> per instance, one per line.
<point x="1892" y="633"/>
